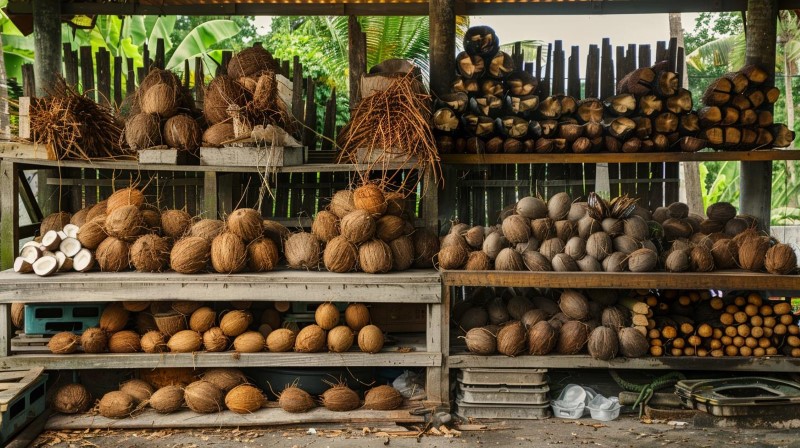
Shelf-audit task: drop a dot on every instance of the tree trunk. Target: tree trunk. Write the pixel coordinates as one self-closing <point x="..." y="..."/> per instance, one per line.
<point x="47" y="43"/>
<point x="791" y="171"/>
<point x="442" y="44"/>
<point x="756" y="177"/>
<point x="357" y="49"/>
<point x="5" y="130"/>
<point x="692" y="186"/>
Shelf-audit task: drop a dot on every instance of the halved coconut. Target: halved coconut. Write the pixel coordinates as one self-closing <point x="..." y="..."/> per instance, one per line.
<point x="51" y="240"/>
<point x="83" y="261"/>
<point x="45" y="266"/>
<point x="71" y="230"/>
<point x="70" y="246"/>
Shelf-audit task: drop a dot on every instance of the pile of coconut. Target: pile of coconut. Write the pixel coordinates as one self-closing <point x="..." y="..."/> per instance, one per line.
<point x="163" y="114"/>
<point x="189" y="327"/>
<point x="247" y="96"/>
<point x="215" y="390"/>
<point x="366" y="229"/>
<point x="512" y="324"/>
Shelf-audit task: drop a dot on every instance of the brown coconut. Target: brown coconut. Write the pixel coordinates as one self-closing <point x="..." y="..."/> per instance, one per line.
<point x="64" y="343"/>
<point x="736" y="226"/>
<point x="185" y="341"/>
<point x="94" y="340"/>
<point x="325" y="226"/>
<point x="221" y="93"/>
<point x="370" y="198"/>
<point x="55" y="221"/>
<point x="550" y="248"/>
<point x="709" y="226"/>
<point x="98" y="209"/>
<point x="402" y="252"/>
<point x="356" y="315"/>
<point x="587" y="226"/>
<point x="340" y="255"/>
<point x="390" y="227"/>
<point x="383" y="398"/>
<point x="493" y="244"/>
<point x="564" y="263"/>
<point x="426" y="246"/>
<point x="558" y="206"/>
<point x="509" y="260"/>
<point x="207" y="229"/>
<point x="613" y="226"/>
<point x="125" y="223"/>
<point x="252" y="61"/>
<point x="203" y="397"/>
<point x="615" y="317"/>
<point x="395" y="203"/>
<point x="475" y="236"/>
<point x="532" y="317"/>
<point x="123" y="197"/>
<point x="18" y="315"/>
<point x="497" y="311"/>
<point x="370" y="339"/>
<point x="218" y="134"/>
<point x="295" y="400"/>
<point x="358" y="226"/>
<point x="574" y="305"/>
<point x="542" y="338"/>
<point x="478" y="261"/>
<point x="543" y="228"/>
<point x="114" y="317"/>
<point x="701" y="259"/>
<point x="451" y="257"/>
<point x="753" y="252"/>
<point x="167" y="399"/>
<point x="375" y="257"/>
<point x="326" y="316"/>
<point x="214" y="340"/>
<point x="642" y="260"/>
<point x="340" y="339"/>
<point x="678" y="261"/>
<point x="572" y="337"/>
<point x="116" y="404"/>
<point x="536" y="262"/>
<point x="246" y="223"/>
<point x="302" y="251"/>
<point x="473" y="318"/>
<point x="632" y="343"/>
<point x="516" y="229"/>
<point x="780" y="259"/>
<point x="721" y="212"/>
<point x="175" y="223"/>
<point x="342" y="203"/>
<point x="262" y="255"/>
<point x="725" y="253"/>
<point x="79" y="218"/>
<point x="224" y="378"/>
<point x="625" y="244"/>
<point x="142" y="131"/>
<point x="183" y="132"/>
<point x="170" y="322"/>
<point x="589" y="264"/>
<point x="228" y="253"/>
<point x="136" y="306"/>
<point x="236" y="322"/>
<point x="125" y="341"/>
<point x="565" y="230"/>
<point x="603" y="343"/>
<point x="532" y="208"/>
<point x="616" y="262"/>
<point x="676" y="228"/>
<point x="511" y="339"/>
<point x="202" y="319"/>
<point x="92" y="234"/>
<point x="281" y="340"/>
<point x="249" y="342"/>
<point x="245" y="399"/>
<point x="160" y="99"/>
<point x="140" y="390"/>
<point x="160" y="377"/>
<point x="481" y="341"/>
<point x="340" y="398"/>
<point x="71" y="398"/>
<point x="310" y="339"/>
<point x="275" y="231"/>
<point x="154" y="342"/>
<point x="150" y="253"/>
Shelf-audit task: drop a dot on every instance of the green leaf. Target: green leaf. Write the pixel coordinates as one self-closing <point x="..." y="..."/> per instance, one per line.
<point x="714" y="53"/>
<point x="161" y="29"/>
<point x="199" y="41"/>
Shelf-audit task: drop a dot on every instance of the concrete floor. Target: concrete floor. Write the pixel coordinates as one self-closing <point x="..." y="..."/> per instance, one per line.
<point x="625" y="432"/>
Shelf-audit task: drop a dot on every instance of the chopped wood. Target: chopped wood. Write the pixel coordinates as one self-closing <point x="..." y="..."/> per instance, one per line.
<point x="581" y="145"/>
<point x="621" y="127"/>
<point x="488" y="105"/>
<point x="749" y="137"/>
<point x="765" y="118"/>
<point x="621" y="105"/>
<point x="644" y="127"/>
<point x="470" y="67"/>
<point x="445" y="120"/>
<point x="783" y="136"/>
<point x="568" y="104"/>
<point x="521" y="83"/>
<point x="756" y="97"/>
<point x="715" y="136"/>
<point x="464" y="85"/>
<point x="511" y="126"/>
<point x="635" y="305"/>
<point x="650" y="105"/>
<point x="549" y="128"/>
<point x="522" y="104"/>
<point x="739" y="81"/>
<point x="559" y="145"/>
<point x="475" y="145"/>
<point x="765" y="138"/>
<point x="593" y="129"/>
<point x="492" y="87"/>
<point x="544" y="146"/>
<point x="660" y="142"/>
<point x="666" y="123"/>
<point x="638" y="82"/>
<point x="741" y="102"/>
<point x="681" y="102"/>
<point x="639" y="319"/>
<point x="667" y="84"/>
<point x="500" y="65"/>
<point x="494" y="145"/>
<point x="733" y="136"/>
<point x="689" y="123"/>
<point x="648" y="145"/>
<point x="709" y="116"/>
<point x="550" y="108"/>
<point x="718" y="92"/>
<point x="612" y="144"/>
<point x="535" y="129"/>
<point x="590" y="110"/>
<point x="633" y="144"/>
<point x="513" y="146"/>
<point x="570" y="132"/>
<point x="730" y="115"/>
<point x="755" y="74"/>
<point x="748" y="117"/>
<point x="691" y="144"/>
<point x="771" y="94"/>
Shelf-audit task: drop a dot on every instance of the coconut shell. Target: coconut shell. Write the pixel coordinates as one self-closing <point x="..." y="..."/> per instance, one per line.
<point x="221" y="93"/>
<point x="558" y="206"/>
<point x="589" y="264"/>
<point x="152" y="220"/>
<point x="358" y="226"/>
<point x="125" y="223"/>
<point x="55" y="221"/>
<point x="565" y="230"/>
<point x="170" y="322"/>
<point x="302" y="251"/>
<point x="116" y="404"/>
<point x="71" y="398"/>
<point x="140" y="390"/>
<point x="536" y="262"/>
<point x="183" y="132"/>
<point x="125" y="341"/>
<point x="252" y="61"/>
<point x="616" y="317"/>
<point x="340" y="398"/>
<point x="725" y="253"/>
<point x="542" y="338"/>
<point x="493" y="244"/>
<point x="642" y="260"/>
<point x="79" y="218"/>
<point x="203" y="397"/>
<point x="113" y="318"/>
<point x="532" y="317"/>
<point x="92" y="233"/>
<point x="175" y="223"/>
<point x="532" y="208"/>
<point x="124" y="197"/>
<point x="736" y="226"/>
<point x="327" y="316"/>
<point x="564" y="263"/>
<point x="281" y="340"/>
<point x="325" y="226"/>
<point x="701" y="259"/>
<point x="550" y="248"/>
<point x="262" y="255"/>
<point x="94" y="340"/>
<point x="340" y="339"/>
<point x="228" y="253"/>
<point x="753" y="252"/>
<point x="370" y="339"/>
<point x="516" y="229"/>
<point x="587" y="226"/>
<point x="375" y="257"/>
<point x="383" y="398"/>
<point x="150" y="253"/>
<point x="632" y="343"/>
<point x="474" y="236"/>
<point x="481" y="341"/>
<point x="249" y="342"/>
<point x="678" y="210"/>
<point x="370" y="198"/>
<point x="295" y="400"/>
<point x="709" y="226"/>
<point x="478" y="261"/>
<point x="143" y="131"/>
<point x="509" y="260"/>
<point x="572" y="337"/>
<point x="167" y="399"/>
<point x="390" y="227"/>
<point x="236" y="322"/>
<point x="498" y="313"/>
<point x="781" y="260"/>
<point x="159" y="99"/>
<point x="426" y="246"/>
<point x="511" y="339"/>
<point x="218" y="134"/>
<point x="342" y="203"/>
<point x="402" y="252"/>
<point x="574" y="305"/>
<point x="185" y="341"/>
<point x="603" y="343"/>
<point x="207" y="229"/>
<point x="310" y="339"/>
<point x="721" y="212"/>
<point x="154" y="342"/>
<point x="676" y="228"/>
<point x="246" y="223"/>
<point x="245" y="399"/>
<point x="224" y="378"/>
<point x="98" y="209"/>
<point x="214" y="340"/>
<point x="64" y="343"/>
<point x="543" y="229"/>
<point x="340" y="255"/>
<point x="356" y="315"/>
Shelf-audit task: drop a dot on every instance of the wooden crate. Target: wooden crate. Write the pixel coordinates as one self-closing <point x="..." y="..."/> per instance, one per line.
<point x="22" y="399"/>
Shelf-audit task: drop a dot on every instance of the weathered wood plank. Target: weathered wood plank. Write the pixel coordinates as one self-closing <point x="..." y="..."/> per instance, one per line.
<point x="70" y="65"/>
<point x="117" y="81"/>
<point x="252" y="156"/>
<point x="87" y="71"/>
<point x="9" y="213"/>
<point x="357" y="51"/>
<point x="103" y="62"/>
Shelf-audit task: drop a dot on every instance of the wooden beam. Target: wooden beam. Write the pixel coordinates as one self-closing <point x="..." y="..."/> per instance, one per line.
<point x="357" y="56"/>
<point x="47" y="43"/>
<point x="442" y="44"/>
<point x="756" y="178"/>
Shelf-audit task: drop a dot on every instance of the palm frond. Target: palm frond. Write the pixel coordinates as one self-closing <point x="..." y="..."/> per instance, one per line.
<point x="715" y="53"/>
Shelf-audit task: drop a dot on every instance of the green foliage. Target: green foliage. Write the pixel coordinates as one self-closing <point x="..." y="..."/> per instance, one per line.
<point x="200" y="41"/>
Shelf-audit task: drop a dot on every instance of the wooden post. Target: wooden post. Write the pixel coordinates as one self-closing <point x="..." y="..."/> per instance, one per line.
<point x="329" y="127"/>
<point x="558" y="68"/>
<point x="160" y="53"/>
<point x="574" y="83"/>
<point x="756" y="177"/>
<point x="9" y="213"/>
<point x="607" y="86"/>
<point x="28" y="81"/>
<point x="357" y="54"/>
<point x="297" y="90"/>
<point x="103" y="58"/>
<point x="47" y="43"/>
<point x="310" y="133"/>
<point x="199" y="82"/>
<point x="130" y="80"/>
<point x="87" y="71"/>
<point x="442" y="44"/>
<point x="117" y="80"/>
<point x="70" y="66"/>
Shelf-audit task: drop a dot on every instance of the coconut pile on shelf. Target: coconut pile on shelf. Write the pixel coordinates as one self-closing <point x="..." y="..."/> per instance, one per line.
<point x="246" y="97"/>
<point x="614" y="236"/>
<point x="738" y="112"/>
<point x="608" y="323"/>
<point x="189" y="327"/>
<point x="215" y="390"/>
<point x="366" y="229"/>
<point x="163" y="114"/>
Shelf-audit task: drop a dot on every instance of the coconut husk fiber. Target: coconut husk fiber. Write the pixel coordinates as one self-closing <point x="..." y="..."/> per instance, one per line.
<point x="251" y="61"/>
<point x="218" y="134"/>
<point x="222" y="92"/>
<point x="183" y="132"/>
<point x="143" y="131"/>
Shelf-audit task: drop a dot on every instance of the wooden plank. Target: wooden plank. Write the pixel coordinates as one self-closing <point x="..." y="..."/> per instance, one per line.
<point x="661" y="51"/>
<point x="558" y="68"/>
<point x="28" y="81"/>
<point x="264" y="417"/>
<point x="70" y="65"/>
<point x="130" y="79"/>
<point x="103" y="61"/>
<point x="574" y="89"/>
<point x="28" y="198"/>
<point x="117" y="81"/>
<point x="607" y="87"/>
<point x="310" y="118"/>
<point x="9" y="213"/>
<point x="159" y="61"/>
<point x="210" y="205"/>
<point x="438" y="338"/>
<point x="672" y="54"/>
<point x="644" y="56"/>
<point x="671" y="189"/>
<point x="680" y="363"/>
<point x="199" y="82"/>
<point x="146" y="61"/>
<point x="252" y="156"/>
<point x="442" y="30"/>
<point x="544" y="86"/>
<point x="6" y="330"/>
<point x="87" y="71"/>
<point x="329" y="128"/>
<point x="297" y="90"/>
<point x="592" y="87"/>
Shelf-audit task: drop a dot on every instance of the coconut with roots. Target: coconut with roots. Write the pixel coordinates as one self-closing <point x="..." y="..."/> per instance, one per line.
<point x="154" y="342"/>
<point x="167" y="399"/>
<point x="94" y="340"/>
<point x="642" y="260"/>
<point x="218" y="134"/>
<point x="516" y="229"/>
<point x="202" y="319"/>
<point x="564" y="263"/>
<point x="678" y="261"/>
<point x="389" y="227"/>
<point x="509" y="260"/>
<point x="493" y="244"/>
<point x="64" y="343"/>
<point x="71" y="398"/>
<point x="451" y="257"/>
<point x="116" y="404"/>
<point x="532" y="317"/>
<point x="615" y="317"/>
<point x="536" y="262"/>
<point x="302" y="251"/>
<point x="558" y="206"/>
<point x="281" y="340"/>
<point x="214" y="340"/>
<point x="632" y="343"/>
<point x="701" y="259"/>
<point x="375" y="257"/>
<point x="725" y="253"/>
<point x="310" y="339"/>
<point x="370" y="198"/>
<point x="383" y="398"/>
<point x="340" y="398"/>
<point x="114" y="317"/>
<point x="150" y="253"/>
<point x="753" y="252"/>
<point x="175" y="223"/>
<point x="203" y="397"/>
<point x="481" y="341"/>
<point x="124" y="341"/>
<point x="370" y="339"/>
<point x="262" y="255"/>
<point x="475" y="236"/>
<point x="478" y="261"/>
<point x="295" y="400"/>
<point x="221" y="93"/>
<point x="92" y="233"/>
<point x="246" y="223"/>
<point x="574" y="305"/>
<point x="542" y="338"/>
<point x="402" y="252"/>
<point x="55" y="221"/>
<point x="543" y="229"/>
<point x="183" y="132"/>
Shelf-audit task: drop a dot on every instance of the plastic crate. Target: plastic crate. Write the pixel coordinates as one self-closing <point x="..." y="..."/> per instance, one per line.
<point x="51" y="319"/>
<point x="498" y="411"/>
<point x="311" y="307"/>
<point x="21" y="401"/>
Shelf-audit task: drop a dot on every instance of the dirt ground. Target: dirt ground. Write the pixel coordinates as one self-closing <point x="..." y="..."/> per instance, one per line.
<point x="625" y="432"/>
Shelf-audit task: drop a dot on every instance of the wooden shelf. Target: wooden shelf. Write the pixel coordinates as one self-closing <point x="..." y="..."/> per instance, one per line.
<point x="727" y="280"/>
<point x="270" y="416"/>
<point x="732" y="363"/>
<point x="416" y="286"/>
<point x="644" y="157"/>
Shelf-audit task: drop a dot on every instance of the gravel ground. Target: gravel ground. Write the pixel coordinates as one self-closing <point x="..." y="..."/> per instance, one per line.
<point x="625" y="432"/>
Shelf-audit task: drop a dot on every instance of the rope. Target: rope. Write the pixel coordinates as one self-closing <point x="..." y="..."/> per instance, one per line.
<point x="646" y="391"/>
